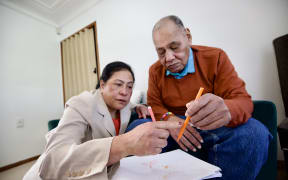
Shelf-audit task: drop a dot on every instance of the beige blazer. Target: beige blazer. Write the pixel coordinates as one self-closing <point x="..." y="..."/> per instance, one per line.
<point x="80" y="145"/>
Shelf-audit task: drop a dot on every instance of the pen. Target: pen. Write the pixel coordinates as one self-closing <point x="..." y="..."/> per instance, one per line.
<point x="188" y="117"/>
<point x="151" y="114"/>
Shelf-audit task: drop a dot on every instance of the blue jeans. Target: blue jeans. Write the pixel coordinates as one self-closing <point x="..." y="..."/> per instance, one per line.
<point x="240" y="152"/>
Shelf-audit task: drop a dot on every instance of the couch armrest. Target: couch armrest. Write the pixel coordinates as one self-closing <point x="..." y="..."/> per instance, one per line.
<point x="265" y="112"/>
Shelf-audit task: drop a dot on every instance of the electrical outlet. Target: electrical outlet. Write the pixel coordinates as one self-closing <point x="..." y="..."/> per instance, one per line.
<point x="19" y="122"/>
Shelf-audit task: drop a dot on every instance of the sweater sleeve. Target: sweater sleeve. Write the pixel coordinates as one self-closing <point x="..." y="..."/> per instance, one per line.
<point x="231" y="88"/>
<point x="154" y="95"/>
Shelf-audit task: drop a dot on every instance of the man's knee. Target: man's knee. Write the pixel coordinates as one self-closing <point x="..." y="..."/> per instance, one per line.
<point x="255" y="133"/>
<point x="254" y="139"/>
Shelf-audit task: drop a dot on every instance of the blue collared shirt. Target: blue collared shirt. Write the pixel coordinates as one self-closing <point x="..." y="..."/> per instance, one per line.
<point x="189" y="68"/>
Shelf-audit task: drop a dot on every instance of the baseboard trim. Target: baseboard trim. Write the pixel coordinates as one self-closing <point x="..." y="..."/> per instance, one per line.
<point x="4" y="168"/>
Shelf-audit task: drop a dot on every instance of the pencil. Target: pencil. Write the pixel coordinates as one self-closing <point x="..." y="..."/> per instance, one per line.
<point x="188" y="117"/>
<point x="151" y="114"/>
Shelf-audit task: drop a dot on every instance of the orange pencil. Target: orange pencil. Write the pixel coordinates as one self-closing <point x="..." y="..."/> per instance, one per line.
<point x="151" y="114"/>
<point x="188" y="117"/>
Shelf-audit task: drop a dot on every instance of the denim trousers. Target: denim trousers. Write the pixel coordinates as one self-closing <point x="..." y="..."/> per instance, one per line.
<point x="240" y="152"/>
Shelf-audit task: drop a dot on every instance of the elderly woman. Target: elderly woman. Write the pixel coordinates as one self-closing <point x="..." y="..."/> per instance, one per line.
<point x="90" y="139"/>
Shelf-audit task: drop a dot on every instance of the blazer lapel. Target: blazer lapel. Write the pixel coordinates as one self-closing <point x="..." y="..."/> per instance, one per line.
<point x="125" y="114"/>
<point x="103" y="110"/>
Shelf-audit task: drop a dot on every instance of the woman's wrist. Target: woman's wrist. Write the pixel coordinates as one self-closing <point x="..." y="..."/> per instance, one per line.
<point x="119" y="149"/>
<point x="123" y="142"/>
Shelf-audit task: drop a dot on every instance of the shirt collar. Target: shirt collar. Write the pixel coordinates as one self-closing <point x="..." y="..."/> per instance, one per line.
<point x="189" y="68"/>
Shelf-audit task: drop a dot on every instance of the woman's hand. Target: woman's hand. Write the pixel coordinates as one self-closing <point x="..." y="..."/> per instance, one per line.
<point x="149" y="138"/>
<point x="146" y="139"/>
<point x="142" y="111"/>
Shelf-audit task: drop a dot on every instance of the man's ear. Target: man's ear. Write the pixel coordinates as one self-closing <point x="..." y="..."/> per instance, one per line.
<point x="188" y="34"/>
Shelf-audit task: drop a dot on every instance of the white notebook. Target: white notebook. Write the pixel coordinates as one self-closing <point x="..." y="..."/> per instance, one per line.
<point x="166" y="166"/>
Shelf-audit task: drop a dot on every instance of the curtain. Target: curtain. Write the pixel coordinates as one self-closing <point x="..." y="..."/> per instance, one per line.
<point x="78" y="63"/>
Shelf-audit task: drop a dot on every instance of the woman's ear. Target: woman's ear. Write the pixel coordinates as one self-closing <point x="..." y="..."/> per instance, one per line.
<point x="188" y="34"/>
<point x="102" y="84"/>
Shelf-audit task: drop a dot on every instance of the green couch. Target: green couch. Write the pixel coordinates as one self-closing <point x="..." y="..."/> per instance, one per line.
<point x="264" y="111"/>
<point x="53" y="124"/>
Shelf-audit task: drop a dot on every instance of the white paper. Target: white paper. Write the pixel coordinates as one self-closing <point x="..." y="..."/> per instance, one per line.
<point x="166" y="166"/>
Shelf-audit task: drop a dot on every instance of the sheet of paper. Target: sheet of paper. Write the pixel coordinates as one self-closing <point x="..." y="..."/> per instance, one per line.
<point x="166" y="166"/>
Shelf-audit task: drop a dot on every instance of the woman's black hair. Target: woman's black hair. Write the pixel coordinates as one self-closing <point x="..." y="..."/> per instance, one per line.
<point x="113" y="67"/>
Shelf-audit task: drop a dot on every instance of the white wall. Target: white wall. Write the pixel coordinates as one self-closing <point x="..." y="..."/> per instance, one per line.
<point x="245" y="29"/>
<point x="31" y="88"/>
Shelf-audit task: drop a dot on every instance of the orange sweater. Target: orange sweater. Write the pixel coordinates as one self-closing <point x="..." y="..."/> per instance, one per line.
<point x="214" y="72"/>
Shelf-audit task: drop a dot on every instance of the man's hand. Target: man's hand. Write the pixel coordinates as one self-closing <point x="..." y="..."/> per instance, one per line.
<point x="149" y="138"/>
<point x="142" y="111"/>
<point x="191" y="137"/>
<point x="209" y="112"/>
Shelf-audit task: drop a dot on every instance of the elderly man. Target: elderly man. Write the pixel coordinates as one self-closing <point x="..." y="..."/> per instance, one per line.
<point x="221" y="126"/>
